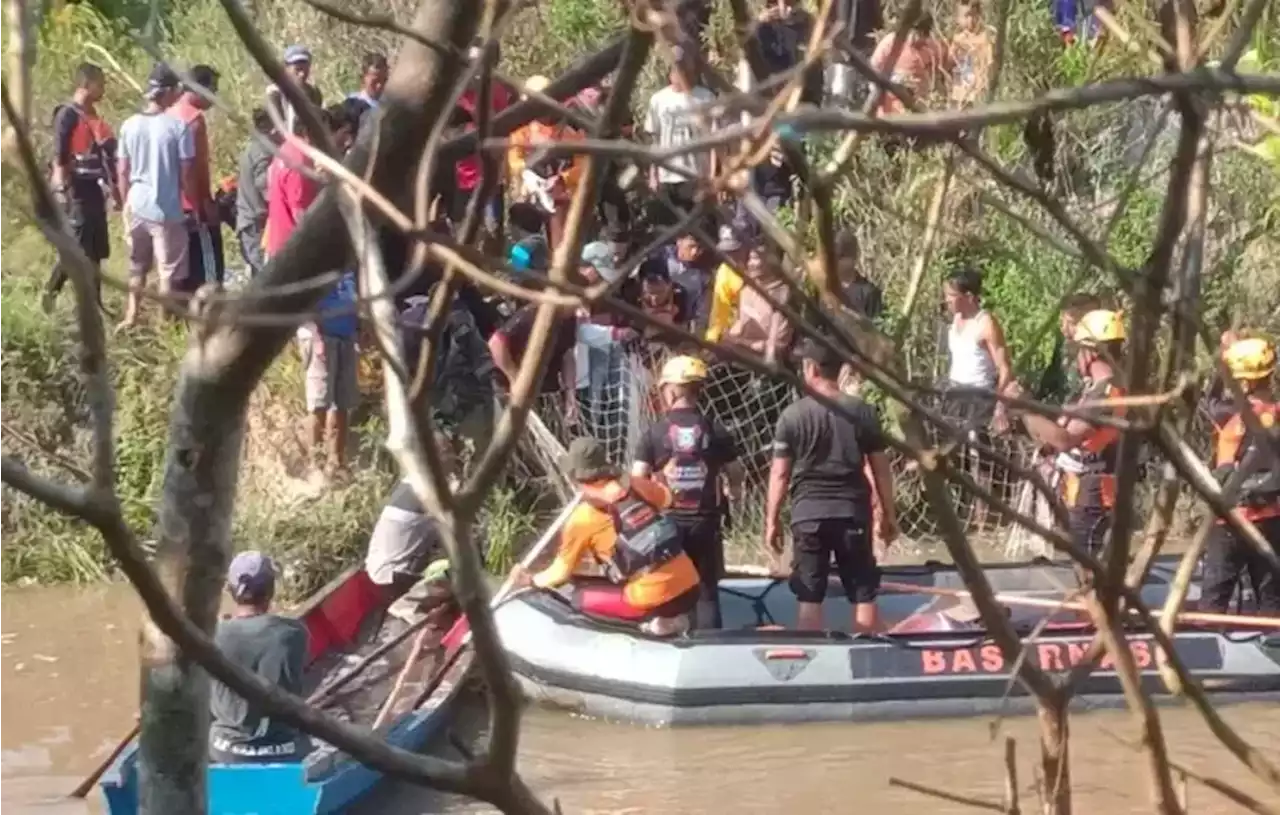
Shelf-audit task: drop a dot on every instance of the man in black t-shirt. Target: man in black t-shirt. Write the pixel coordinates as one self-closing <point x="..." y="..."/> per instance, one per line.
<point x="820" y="455"/>
<point x="507" y="345"/>
<point x="690" y="454"/>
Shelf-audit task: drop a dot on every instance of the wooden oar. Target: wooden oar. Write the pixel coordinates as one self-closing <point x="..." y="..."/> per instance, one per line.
<point x="460" y="633"/>
<point x="1203" y="617"/>
<point x="321" y="694"/>
<point x="87" y="784"/>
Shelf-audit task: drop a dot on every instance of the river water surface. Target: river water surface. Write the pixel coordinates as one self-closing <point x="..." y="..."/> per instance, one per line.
<point x="70" y="691"/>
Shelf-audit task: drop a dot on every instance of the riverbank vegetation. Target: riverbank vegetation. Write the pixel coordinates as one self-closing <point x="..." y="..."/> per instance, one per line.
<point x="316" y="531"/>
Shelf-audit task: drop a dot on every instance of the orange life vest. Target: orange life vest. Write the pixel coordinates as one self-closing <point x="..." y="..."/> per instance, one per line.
<point x="1233" y="442"/>
<point x="88" y="147"/>
<point x="1092" y="463"/>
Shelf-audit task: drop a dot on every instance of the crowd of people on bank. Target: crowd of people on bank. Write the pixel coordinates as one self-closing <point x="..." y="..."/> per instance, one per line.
<point x="655" y="522"/>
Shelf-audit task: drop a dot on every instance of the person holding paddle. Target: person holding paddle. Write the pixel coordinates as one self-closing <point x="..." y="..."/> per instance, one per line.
<point x="272" y="646"/>
<point x="622" y="523"/>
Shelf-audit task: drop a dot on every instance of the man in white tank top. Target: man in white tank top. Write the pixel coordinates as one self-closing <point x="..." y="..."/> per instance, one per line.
<point x="975" y="343"/>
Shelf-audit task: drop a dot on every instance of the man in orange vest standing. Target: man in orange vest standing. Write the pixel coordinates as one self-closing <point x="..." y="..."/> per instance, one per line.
<point x="1084" y="450"/>
<point x="83" y="171"/>
<point x="1252" y="363"/>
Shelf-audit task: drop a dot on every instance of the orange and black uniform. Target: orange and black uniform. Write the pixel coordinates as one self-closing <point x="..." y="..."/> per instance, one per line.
<point x="85" y="146"/>
<point x="1088" y="482"/>
<point x="1227" y="557"/>
<point x="666" y="590"/>
<point x="690" y="451"/>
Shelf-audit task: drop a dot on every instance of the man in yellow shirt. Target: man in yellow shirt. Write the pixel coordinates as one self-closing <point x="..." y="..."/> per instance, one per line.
<point x="728" y="284"/>
<point x="621" y="523"/>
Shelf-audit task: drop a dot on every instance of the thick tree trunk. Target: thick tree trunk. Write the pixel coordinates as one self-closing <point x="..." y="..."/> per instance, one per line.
<point x="220" y="371"/>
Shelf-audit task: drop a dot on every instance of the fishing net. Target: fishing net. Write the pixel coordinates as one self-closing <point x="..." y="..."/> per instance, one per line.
<point x="617" y="399"/>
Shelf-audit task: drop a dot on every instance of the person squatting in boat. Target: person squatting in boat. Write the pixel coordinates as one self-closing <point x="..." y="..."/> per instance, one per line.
<point x="270" y="645"/>
<point x="1085" y="462"/>
<point x="819" y="455"/>
<point x="623" y="524"/>
<point x="1240" y="455"/>
<point x="697" y="459"/>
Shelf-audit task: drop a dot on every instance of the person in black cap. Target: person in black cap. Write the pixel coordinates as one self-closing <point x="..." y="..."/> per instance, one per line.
<point x="270" y="645"/>
<point x="820" y="455"/>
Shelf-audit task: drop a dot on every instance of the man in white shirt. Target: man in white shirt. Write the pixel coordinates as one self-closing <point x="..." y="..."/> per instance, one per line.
<point x="679" y="114"/>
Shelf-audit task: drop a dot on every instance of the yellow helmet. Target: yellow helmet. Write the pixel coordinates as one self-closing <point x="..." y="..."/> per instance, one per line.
<point x="1099" y="326"/>
<point x="683" y="371"/>
<point x="1254" y="358"/>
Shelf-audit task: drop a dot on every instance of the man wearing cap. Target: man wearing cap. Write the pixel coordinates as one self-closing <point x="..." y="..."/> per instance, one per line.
<point x="622" y="525"/>
<point x="728" y="283"/>
<point x="697" y="459"/>
<point x="819" y="454"/>
<point x="297" y="63"/>
<point x="600" y="356"/>
<point x="156" y="164"/>
<point x="204" y="230"/>
<point x="270" y="645"/>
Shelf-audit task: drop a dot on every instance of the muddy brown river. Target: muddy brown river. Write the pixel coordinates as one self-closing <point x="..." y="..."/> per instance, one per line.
<point x="70" y="690"/>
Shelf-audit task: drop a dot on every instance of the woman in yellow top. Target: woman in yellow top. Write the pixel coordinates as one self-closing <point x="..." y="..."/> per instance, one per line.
<point x="621" y="524"/>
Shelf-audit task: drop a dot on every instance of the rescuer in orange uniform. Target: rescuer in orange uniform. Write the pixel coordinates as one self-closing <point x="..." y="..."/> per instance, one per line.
<point x="1085" y="451"/>
<point x="1252" y="363"/>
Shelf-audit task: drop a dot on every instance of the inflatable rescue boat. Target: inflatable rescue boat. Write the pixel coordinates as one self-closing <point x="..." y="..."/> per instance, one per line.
<point x="937" y="660"/>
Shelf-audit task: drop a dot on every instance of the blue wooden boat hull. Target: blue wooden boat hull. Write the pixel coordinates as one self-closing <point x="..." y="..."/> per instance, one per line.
<point x="283" y="789"/>
<point x="328" y="781"/>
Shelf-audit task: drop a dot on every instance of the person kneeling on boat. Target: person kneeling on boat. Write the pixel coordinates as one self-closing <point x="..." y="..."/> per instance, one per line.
<point x="1086" y="451"/>
<point x="691" y="455"/>
<point x="621" y="522"/>
<point x="273" y="647"/>
<point x="1251" y="362"/>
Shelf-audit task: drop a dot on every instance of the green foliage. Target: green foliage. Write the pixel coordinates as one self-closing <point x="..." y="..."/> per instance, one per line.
<point x="509" y="523"/>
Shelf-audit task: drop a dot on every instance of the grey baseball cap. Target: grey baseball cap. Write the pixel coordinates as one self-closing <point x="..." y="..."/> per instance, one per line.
<point x="599" y="256"/>
<point x="251" y="577"/>
<point x="296" y="53"/>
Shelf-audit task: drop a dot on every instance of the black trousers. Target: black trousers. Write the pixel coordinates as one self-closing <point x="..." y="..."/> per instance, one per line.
<point x="1228" y="558"/>
<point x="704" y="544"/>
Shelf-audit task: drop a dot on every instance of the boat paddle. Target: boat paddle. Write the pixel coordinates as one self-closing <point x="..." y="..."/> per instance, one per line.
<point x="1202" y="617"/>
<point x="458" y="637"/>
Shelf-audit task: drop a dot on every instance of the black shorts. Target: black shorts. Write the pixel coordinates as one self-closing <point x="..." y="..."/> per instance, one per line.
<point x="87" y="218"/>
<point x="202" y="269"/>
<point x="849" y="540"/>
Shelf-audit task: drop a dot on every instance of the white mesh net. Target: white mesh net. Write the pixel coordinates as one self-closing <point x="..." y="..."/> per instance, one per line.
<point x="617" y="399"/>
